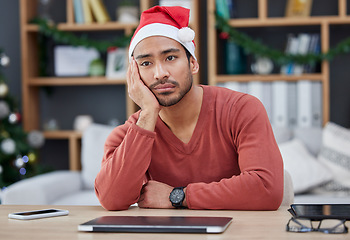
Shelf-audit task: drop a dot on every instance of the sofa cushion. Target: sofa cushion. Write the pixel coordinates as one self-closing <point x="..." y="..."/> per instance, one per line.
<point x="311" y="138"/>
<point x="305" y="170"/>
<point x="335" y="154"/>
<point x="93" y="141"/>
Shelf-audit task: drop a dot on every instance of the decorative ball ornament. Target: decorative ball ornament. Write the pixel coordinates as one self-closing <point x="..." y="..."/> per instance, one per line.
<point x="4" y="109"/>
<point x="4" y="90"/>
<point x="4" y="60"/>
<point x="262" y="65"/>
<point x="186" y="34"/>
<point x="8" y="146"/>
<point x="32" y="157"/>
<point x="19" y="162"/>
<point x="13" y="118"/>
<point x="35" y="139"/>
<point x="4" y="134"/>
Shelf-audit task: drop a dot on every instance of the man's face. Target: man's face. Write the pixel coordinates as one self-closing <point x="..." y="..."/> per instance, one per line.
<point x="165" y="68"/>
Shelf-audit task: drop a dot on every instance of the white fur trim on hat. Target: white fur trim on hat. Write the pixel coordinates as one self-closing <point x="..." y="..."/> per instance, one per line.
<point x="165" y="30"/>
<point x="186" y="34"/>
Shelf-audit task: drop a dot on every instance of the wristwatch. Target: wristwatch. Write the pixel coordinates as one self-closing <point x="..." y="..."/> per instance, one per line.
<point x="177" y="196"/>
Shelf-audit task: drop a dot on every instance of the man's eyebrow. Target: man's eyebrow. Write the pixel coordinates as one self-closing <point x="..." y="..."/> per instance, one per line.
<point x="143" y="56"/>
<point x="170" y="50"/>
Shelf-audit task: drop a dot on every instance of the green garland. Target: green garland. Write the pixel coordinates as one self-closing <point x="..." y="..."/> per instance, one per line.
<point x="257" y="48"/>
<point x="71" y="39"/>
<point x="249" y="45"/>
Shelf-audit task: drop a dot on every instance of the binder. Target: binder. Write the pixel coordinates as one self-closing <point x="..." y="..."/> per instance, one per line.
<point x="292" y="104"/>
<point x="280" y="103"/>
<point x="316" y="93"/>
<point x="304" y="89"/>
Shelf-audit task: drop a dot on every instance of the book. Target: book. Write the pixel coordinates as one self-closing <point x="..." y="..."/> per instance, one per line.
<point x="78" y="11"/>
<point x="314" y="48"/>
<point x="99" y="11"/>
<point x="235" y="59"/>
<point x="303" y="48"/>
<point x="291" y="48"/>
<point x="88" y="18"/>
<point x="222" y="9"/>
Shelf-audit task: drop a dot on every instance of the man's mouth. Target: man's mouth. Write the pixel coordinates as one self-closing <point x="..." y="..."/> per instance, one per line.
<point x="165" y="87"/>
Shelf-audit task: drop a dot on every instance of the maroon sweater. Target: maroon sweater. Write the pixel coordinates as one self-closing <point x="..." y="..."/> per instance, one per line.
<point x="231" y="162"/>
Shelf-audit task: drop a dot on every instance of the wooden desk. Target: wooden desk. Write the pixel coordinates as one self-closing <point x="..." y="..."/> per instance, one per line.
<point x="245" y="225"/>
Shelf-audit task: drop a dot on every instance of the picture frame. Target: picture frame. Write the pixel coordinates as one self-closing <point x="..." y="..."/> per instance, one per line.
<point x="116" y="63"/>
<point x="298" y="8"/>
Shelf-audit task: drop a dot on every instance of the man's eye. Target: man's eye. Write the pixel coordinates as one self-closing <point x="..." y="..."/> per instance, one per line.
<point x="171" y="58"/>
<point x="145" y="64"/>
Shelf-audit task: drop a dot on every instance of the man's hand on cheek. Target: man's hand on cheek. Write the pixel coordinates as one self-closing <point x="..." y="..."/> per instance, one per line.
<point x="138" y="91"/>
<point x="155" y="195"/>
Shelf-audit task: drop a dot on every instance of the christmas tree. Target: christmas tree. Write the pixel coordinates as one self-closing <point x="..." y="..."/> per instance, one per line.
<point x="18" y="156"/>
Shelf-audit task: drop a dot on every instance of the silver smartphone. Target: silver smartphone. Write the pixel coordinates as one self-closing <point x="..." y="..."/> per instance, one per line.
<point x="35" y="214"/>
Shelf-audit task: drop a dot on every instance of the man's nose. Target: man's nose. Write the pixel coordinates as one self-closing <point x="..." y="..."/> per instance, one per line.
<point x="160" y="72"/>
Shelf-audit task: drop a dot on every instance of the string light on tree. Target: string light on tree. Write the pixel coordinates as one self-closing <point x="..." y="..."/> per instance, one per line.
<point x="18" y="157"/>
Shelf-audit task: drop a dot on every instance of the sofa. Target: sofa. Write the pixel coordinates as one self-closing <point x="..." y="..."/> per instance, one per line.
<point x="318" y="160"/>
<point x="305" y="175"/>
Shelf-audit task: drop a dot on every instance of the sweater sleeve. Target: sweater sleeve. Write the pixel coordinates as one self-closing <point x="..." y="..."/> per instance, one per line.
<point x="259" y="186"/>
<point x="127" y="155"/>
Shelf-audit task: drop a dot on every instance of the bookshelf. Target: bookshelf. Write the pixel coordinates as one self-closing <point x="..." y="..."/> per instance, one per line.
<point x="32" y="82"/>
<point x="263" y="20"/>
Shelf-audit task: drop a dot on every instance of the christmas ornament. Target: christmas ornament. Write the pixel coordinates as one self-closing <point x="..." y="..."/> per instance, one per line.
<point x="35" y="139"/>
<point x="22" y="171"/>
<point x="31" y="157"/>
<point x="13" y="118"/>
<point x="8" y="146"/>
<point x="4" y="134"/>
<point x="19" y="162"/>
<point x="25" y="159"/>
<point x="4" y="109"/>
<point x="3" y="90"/>
<point x="4" y="60"/>
<point x="262" y="65"/>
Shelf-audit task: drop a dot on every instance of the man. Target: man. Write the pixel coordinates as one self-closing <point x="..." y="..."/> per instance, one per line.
<point x="199" y="147"/>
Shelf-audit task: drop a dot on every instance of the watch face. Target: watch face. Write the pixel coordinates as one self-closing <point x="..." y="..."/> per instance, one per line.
<point x="177" y="196"/>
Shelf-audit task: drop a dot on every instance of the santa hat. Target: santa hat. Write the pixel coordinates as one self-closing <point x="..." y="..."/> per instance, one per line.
<point x="171" y="22"/>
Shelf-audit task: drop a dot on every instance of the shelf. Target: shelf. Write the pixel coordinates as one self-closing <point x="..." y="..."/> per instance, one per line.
<point x="267" y="78"/>
<point x="64" y="134"/>
<point x="88" y="27"/>
<point x="275" y="22"/>
<point x="74" y="81"/>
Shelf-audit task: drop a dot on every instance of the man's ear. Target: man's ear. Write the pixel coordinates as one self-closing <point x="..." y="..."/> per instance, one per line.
<point x="194" y="65"/>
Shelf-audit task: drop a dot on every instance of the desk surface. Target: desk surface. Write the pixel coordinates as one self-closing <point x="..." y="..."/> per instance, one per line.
<point x="245" y="225"/>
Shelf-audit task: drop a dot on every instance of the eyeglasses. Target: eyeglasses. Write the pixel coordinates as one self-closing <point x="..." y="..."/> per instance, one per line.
<point x="326" y="225"/>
